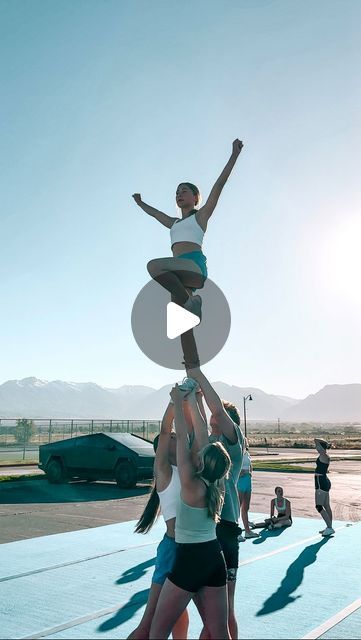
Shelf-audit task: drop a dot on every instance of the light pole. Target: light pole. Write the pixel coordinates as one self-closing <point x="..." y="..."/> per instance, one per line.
<point x="245" y="398"/>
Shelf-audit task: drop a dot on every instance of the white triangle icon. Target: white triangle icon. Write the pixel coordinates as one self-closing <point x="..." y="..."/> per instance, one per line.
<point x="179" y="320"/>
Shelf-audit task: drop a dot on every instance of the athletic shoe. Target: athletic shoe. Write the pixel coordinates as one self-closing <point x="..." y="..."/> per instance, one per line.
<point x="240" y="538"/>
<point x="251" y="534"/>
<point x="251" y="524"/>
<point x="322" y="530"/>
<point x="328" y="532"/>
<point x="188" y="384"/>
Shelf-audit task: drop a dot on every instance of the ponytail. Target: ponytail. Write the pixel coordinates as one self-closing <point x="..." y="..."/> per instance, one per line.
<point x="215" y="499"/>
<point x="150" y="513"/>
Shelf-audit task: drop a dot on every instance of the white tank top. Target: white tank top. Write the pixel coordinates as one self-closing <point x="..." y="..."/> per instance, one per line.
<point x="170" y="497"/>
<point x="187" y="230"/>
<point x="246" y="462"/>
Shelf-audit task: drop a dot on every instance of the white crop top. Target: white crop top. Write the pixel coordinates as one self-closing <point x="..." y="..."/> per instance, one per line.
<point x="186" y="230"/>
<point x="246" y="462"/>
<point x="170" y="497"/>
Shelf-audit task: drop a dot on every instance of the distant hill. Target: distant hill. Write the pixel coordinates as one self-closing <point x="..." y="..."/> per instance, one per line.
<point x="333" y="403"/>
<point x="34" y="398"/>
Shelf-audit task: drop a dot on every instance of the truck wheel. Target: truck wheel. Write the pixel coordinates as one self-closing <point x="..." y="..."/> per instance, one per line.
<point x="126" y="475"/>
<point x="55" y="472"/>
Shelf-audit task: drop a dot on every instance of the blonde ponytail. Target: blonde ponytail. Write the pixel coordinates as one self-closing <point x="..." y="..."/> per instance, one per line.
<point x="215" y="499"/>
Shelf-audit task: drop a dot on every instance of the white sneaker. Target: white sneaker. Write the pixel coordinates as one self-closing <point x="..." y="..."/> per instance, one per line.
<point x="251" y="524"/>
<point x="322" y="530"/>
<point x="241" y="538"/>
<point x="251" y="534"/>
<point x="328" y="532"/>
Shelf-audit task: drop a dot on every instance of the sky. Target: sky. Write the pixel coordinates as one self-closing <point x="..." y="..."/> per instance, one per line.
<point x="101" y="99"/>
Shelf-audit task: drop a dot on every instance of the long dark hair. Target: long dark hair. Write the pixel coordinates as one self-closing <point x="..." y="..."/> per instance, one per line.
<point x="150" y="514"/>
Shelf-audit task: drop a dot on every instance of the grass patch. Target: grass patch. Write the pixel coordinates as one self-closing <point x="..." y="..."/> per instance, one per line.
<point x="276" y="466"/>
<point x="29" y="476"/>
<point x="17" y="463"/>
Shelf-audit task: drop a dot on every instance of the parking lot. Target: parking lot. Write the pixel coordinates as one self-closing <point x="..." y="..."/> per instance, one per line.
<point x="34" y="507"/>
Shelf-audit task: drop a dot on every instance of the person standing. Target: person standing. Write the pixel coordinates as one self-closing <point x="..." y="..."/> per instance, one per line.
<point x="199" y="566"/>
<point x="224" y="423"/>
<point x="244" y="486"/>
<point x="323" y="486"/>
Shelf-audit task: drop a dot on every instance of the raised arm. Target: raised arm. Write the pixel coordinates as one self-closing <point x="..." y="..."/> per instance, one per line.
<point x="184" y="461"/>
<point x="206" y="211"/>
<point x="199" y="422"/>
<point x="215" y="405"/>
<point x="167" y="221"/>
<point x="272" y="507"/>
<point x="161" y="462"/>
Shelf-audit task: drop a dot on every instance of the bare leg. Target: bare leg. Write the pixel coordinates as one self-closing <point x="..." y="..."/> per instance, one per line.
<point x="328" y="509"/>
<point x="180" y="629"/>
<point x="176" y="275"/>
<point x="190" y="352"/>
<point x="142" y="630"/>
<point x="171" y="604"/>
<point x="232" y="622"/>
<point x="321" y="499"/>
<point x="245" y="498"/>
<point x="215" y="607"/>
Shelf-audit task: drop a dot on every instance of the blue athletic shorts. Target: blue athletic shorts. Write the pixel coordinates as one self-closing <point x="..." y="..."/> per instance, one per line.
<point x="165" y="559"/>
<point x="199" y="258"/>
<point x="245" y="483"/>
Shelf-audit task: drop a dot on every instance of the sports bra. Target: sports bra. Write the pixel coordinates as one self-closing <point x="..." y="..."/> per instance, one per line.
<point x="321" y="467"/>
<point x="169" y="498"/>
<point x="187" y="230"/>
<point x="281" y="509"/>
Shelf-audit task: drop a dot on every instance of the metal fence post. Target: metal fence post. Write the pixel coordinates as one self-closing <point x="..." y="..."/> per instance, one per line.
<point x="50" y="430"/>
<point x="71" y="428"/>
<point x="92" y="426"/>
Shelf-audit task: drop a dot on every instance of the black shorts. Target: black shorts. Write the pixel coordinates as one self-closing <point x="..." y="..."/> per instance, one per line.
<point x="227" y="534"/>
<point x="323" y="483"/>
<point x="198" y="565"/>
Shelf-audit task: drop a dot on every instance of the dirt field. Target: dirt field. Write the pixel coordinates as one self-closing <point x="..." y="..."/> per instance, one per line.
<point x="34" y="507"/>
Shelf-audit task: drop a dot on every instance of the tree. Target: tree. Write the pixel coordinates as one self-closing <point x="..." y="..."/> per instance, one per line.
<point x="24" y="431"/>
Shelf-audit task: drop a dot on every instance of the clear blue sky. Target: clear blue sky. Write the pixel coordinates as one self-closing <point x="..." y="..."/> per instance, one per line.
<point x="104" y="98"/>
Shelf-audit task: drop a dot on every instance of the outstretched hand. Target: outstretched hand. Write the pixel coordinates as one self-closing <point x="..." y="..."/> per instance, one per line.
<point x="237" y="146"/>
<point x="137" y="197"/>
<point x="178" y="394"/>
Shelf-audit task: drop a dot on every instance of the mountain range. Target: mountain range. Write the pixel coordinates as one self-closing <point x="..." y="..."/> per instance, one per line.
<point x="35" y="398"/>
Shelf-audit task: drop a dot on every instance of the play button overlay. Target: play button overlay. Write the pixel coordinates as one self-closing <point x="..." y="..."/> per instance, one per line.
<point x="179" y="320"/>
<point x="158" y="324"/>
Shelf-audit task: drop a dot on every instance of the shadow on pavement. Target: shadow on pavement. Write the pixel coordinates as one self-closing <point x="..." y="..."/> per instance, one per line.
<point x="40" y="491"/>
<point x="292" y="580"/>
<point x="126" y="612"/>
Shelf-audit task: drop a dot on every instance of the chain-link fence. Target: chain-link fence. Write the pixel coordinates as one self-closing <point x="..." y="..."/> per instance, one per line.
<point x="20" y="439"/>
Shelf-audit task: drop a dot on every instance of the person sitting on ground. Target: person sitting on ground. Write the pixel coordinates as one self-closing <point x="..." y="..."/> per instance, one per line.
<point x="283" y="517"/>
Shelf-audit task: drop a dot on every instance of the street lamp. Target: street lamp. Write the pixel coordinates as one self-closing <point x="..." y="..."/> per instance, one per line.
<point x="245" y="398"/>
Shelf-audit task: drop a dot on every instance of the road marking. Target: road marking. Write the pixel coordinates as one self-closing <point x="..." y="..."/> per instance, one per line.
<point x="72" y="562"/>
<point x="331" y="622"/>
<point x="290" y="546"/>
<point x="103" y="612"/>
<point x="77" y="621"/>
